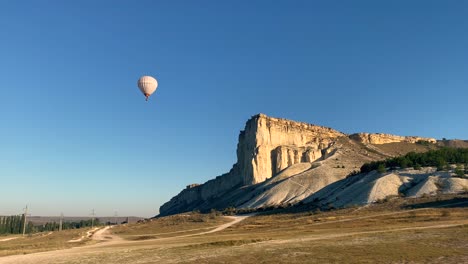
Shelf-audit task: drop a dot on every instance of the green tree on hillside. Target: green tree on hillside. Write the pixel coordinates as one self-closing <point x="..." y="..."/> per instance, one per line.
<point x="381" y="168"/>
<point x="459" y="171"/>
<point x="440" y="158"/>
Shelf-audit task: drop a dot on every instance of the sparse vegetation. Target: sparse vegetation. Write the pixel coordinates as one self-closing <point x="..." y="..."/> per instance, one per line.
<point x="229" y="211"/>
<point x="377" y="233"/>
<point x="42" y="241"/>
<point x="424" y="143"/>
<point x="353" y="173"/>
<point x="445" y="213"/>
<point x="170" y="225"/>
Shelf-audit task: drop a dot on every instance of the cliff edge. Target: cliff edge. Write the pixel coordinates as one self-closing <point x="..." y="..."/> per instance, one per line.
<point x="282" y="161"/>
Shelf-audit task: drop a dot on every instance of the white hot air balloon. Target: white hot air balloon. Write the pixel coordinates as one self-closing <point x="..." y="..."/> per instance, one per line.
<point x="147" y="85"/>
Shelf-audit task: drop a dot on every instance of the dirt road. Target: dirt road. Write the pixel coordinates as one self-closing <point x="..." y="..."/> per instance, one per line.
<point x="105" y="235"/>
<point x="113" y="249"/>
<point x="109" y="243"/>
<point x="235" y="219"/>
<point x="8" y="239"/>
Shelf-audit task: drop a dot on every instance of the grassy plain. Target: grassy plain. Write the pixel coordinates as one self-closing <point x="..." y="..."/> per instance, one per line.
<point x="176" y="225"/>
<point x="41" y="242"/>
<point x="425" y="230"/>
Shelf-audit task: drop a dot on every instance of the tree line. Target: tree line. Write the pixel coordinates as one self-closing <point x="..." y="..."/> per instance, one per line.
<point x="440" y="158"/>
<point x="54" y="226"/>
<point x="11" y="224"/>
<point x="14" y="225"/>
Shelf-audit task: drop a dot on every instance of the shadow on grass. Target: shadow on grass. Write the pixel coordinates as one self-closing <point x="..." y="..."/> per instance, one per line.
<point x="457" y="202"/>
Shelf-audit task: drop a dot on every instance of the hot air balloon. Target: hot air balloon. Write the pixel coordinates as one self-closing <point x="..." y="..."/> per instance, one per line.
<point x="147" y="85"/>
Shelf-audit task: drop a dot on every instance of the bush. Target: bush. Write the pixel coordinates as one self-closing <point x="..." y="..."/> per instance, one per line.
<point x="229" y="211"/>
<point x="423" y="143"/>
<point x="353" y="173"/>
<point x="459" y="171"/>
<point x="214" y="213"/>
<point x="381" y="168"/>
<point x="445" y="213"/>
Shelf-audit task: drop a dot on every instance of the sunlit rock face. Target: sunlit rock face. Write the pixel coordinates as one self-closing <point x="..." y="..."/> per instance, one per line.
<point x="380" y="138"/>
<point x="269" y="145"/>
<point x="266" y="146"/>
<point x="285" y="156"/>
<point x="280" y="161"/>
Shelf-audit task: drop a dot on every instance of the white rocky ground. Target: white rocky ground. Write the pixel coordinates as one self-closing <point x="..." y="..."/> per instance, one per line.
<point x="371" y="187"/>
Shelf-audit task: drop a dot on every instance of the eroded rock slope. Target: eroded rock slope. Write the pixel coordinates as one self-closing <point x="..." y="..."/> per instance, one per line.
<point x="281" y="161"/>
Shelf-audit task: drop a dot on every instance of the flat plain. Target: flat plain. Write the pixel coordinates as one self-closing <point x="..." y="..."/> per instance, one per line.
<point x="423" y="230"/>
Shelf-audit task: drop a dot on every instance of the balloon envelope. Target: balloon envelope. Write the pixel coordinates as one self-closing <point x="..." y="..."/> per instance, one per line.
<point x="147" y="85"/>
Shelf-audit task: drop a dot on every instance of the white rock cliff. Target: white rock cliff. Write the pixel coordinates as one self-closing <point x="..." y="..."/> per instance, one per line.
<point x="267" y="147"/>
<point x="380" y="138"/>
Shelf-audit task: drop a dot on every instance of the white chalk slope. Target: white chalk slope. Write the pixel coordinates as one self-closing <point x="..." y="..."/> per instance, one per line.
<point x="367" y="188"/>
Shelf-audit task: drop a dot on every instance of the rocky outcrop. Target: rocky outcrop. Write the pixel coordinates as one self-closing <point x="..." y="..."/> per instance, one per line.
<point x="379" y="138"/>
<point x="268" y="145"/>
<point x="372" y="187"/>
<point x="196" y="194"/>
<point x="281" y="162"/>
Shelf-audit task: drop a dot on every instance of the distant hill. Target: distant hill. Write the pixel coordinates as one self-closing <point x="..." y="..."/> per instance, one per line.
<point x="284" y="162"/>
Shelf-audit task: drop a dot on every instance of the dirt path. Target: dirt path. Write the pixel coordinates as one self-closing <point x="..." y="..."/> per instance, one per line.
<point x="110" y="242"/>
<point x="236" y="219"/>
<point x="104" y="234"/>
<point x="166" y="233"/>
<point x="8" y="239"/>
<point x="89" y="233"/>
<point x="113" y="244"/>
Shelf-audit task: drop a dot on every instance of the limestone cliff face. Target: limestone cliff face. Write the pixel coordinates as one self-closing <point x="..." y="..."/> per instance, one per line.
<point x="272" y="147"/>
<point x="380" y="138"/>
<point x="285" y="156"/>
<point x="269" y="145"/>
<point x="266" y="146"/>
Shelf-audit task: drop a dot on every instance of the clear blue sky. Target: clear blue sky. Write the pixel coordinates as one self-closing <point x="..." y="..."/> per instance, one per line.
<point x="76" y="133"/>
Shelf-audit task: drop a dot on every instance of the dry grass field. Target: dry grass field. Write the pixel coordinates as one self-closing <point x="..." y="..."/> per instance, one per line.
<point x="14" y="245"/>
<point x="177" y="225"/>
<point x="401" y="148"/>
<point x="423" y="230"/>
